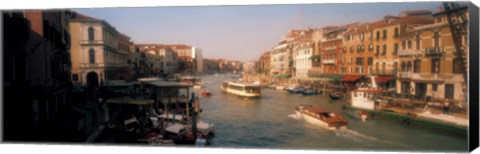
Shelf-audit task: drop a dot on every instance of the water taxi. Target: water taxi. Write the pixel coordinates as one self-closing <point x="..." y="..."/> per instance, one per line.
<point x="241" y="89"/>
<point x="321" y="117"/>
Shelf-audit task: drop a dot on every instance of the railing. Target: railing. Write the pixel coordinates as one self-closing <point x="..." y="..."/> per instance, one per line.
<point x="404" y="74"/>
<point x="431" y="76"/>
<point x="101" y="65"/>
<point x="409" y="52"/>
<point x="329" y="61"/>
<point x="383" y="72"/>
<point x="91" y="42"/>
<point x="435" y="51"/>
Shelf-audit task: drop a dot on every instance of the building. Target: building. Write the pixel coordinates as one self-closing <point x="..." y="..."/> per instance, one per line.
<point x="331" y="51"/>
<point x="197" y="55"/>
<point x="37" y="64"/>
<point x="431" y="67"/>
<point x="264" y="63"/>
<point x="96" y="56"/>
<point x="169" y="60"/>
<point x="303" y="52"/>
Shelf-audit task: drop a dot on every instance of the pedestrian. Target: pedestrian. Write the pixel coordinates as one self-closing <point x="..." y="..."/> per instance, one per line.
<point x="446" y="107"/>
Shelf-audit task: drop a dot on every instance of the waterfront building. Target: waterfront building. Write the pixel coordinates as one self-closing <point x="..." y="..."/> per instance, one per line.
<point x="264" y="63"/>
<point x="431" y="69"/>
<point x="96" y="56"/>
<point x="37" y="64"/>
<point x="169" y="60"/>
<point x="331" y="50"/>
<point x="303" y="52"/>
<point x="316" y="70"/>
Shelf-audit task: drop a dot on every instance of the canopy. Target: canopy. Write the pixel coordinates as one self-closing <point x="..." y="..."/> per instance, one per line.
<point x="283" y="76"/>
<point x="351" y="78"/>
<point x="384" y="79"/>
<point x="333" y="76"/>
<point x="312" y="79"/>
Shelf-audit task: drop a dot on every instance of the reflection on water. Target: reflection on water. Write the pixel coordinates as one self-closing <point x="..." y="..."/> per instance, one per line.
<point x="270" y="122"/>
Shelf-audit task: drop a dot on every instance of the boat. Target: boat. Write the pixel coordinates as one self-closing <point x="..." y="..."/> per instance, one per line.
<point x="196" y="81"/>
<point x="241" y="89"/>
<point x="321" y="117"/>
<point x="335" y="95"/>
<point x="364" y="97"/>
<point x="294" y="89"/>
<point x="308" y="91"/>
<point x="203" y="127"/>
<point x="280" y="87"/>
<point x="205" y="93"/>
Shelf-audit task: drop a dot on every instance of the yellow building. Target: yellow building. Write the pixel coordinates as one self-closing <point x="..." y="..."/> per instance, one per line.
<point x="95" y="52"/>
<point x="430" y="68"/>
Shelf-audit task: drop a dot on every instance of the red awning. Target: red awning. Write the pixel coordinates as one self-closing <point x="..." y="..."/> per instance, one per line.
<point x="351" y="78"/>
<point x="383" y="79"/>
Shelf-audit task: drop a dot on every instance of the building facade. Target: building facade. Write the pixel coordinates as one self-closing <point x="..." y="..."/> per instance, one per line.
<point x="96" y="56"/>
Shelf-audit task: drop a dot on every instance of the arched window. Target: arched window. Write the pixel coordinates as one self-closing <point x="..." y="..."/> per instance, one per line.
<point x="91" y="34"/>
<point x="91" y="56"/>
<point x="409" y="66"/>
<point x="404" y="66"/>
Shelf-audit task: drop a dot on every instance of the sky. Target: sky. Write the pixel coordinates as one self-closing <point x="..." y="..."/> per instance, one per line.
<point x="239" y="32"/>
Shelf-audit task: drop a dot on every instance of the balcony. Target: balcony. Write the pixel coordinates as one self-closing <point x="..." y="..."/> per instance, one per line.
<point x="434" y="52"/>
<point x="329" y="61"/>
<point x="102" y="65"/>
<point x="91" y="42"/>
<point x="93" y="65"/>
<point x="383" y="72"/>
<point x="434" y="77"/>
<point x="404" y="74"/>
<point x="409" y="52"/>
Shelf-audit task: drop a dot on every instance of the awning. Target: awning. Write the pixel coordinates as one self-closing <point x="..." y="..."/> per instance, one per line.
<point x="312" y="79"/>
<point x="351" y="78"/>
<point x="333" y="76"/>
<point x="384" y="79"/>
<point x="283" y="76"/>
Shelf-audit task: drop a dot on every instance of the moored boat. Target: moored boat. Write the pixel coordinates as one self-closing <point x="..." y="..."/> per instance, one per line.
<point x="335" y="95"/>
<point x="321" y="117"/>
<point x="241" y="89"/>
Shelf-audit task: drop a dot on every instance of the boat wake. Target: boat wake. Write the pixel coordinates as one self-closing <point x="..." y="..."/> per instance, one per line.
<point x="354" y="135"/>
<point x="294" y="116"/>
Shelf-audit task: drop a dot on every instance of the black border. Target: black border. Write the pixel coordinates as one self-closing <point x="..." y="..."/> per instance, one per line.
<point x="473" y="77"/>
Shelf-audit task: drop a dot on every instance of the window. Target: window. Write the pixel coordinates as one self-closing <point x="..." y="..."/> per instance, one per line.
<point x="370" y="47"/>
<point x="91" y="34"/>
<point x="403" y="45"/>
<point x="370" y="60"/>
<point x="384" y="49"/>
<point x="417" y="40"/>
<point x="403" y="66"/>
<point x="91" y="56"/>
<point x="395" y="49"/>
<point x="74" y="77"/>
<point x="409" y="44"/>
<point x="436" y="39"/>
<point x="378" y="50"/>
<point x="378" y="35"/>
<point x="359" y="61"/>
<point x="384" y="34"/>
<point x="396" y="32"/>
<point x="434" y="87"/>
<point x="416" y="66"/>
<point x="435" y="65"/>
<point x="457" y="66"/>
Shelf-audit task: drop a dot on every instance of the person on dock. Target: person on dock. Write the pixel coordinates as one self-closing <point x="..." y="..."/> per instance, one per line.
<point x="446" y="107"/>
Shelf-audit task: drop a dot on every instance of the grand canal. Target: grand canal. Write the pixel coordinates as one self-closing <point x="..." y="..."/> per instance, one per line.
<point x="269" y="122"/>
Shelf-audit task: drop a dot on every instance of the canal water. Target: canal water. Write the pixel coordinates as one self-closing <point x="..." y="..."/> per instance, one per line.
<point x="270" y="122"/>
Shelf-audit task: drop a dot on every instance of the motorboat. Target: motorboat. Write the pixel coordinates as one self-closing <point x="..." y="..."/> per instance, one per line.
<point x="205" y="93"/>
<point x="335" y="95"/>
<point x="364" y="97"/>
<point x="321" y="117"/>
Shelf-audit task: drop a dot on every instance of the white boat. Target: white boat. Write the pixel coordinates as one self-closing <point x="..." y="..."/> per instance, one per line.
<point x="321" y="117"/>
<point x="204" y="127"/>
<point x="196" y="81"/>
<point x="364" y="97"/>
<point x="241" y="89"/>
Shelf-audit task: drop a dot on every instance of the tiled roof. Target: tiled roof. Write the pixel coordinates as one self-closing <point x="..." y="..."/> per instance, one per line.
<point x="410" y="12"/>
<point x="406" y="19"/>
<point x="80" y="16"/>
